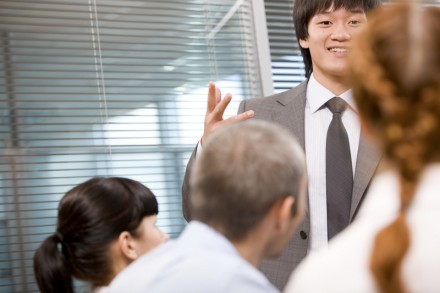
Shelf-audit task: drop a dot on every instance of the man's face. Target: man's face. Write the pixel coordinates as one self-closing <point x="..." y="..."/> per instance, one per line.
<point x="329" y="40"/>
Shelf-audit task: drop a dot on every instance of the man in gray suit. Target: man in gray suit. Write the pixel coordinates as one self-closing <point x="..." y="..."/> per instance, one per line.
<point x="324" y="30"/>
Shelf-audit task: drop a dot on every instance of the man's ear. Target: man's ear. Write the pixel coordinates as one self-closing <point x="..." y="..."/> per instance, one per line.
<point x="304" y="43"/>
<point x="127" y="245"/>
<point x="284" y="208"/>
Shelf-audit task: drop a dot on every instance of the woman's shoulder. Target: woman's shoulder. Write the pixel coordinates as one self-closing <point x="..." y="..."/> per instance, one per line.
<point x="103" y="289"/>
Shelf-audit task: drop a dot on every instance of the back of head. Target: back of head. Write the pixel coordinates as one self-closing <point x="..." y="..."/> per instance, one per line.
<point x="304" y="10"/>
<point x="90" y="217"/>
<point x="243" y="170"/>
<point x="395" y="67"/>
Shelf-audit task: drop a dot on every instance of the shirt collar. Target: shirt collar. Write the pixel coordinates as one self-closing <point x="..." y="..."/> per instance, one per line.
<point x="197" y="234"/>
<point x="317" y="95"/>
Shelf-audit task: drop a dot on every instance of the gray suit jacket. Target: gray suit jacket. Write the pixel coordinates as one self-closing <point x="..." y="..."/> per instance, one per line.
<point x="288" y="109"/>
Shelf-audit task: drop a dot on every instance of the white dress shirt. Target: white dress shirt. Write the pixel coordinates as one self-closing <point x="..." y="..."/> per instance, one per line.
<point x="317" y="121"/>
<point x="201" y="260"/>
<point x="345" y="265"/>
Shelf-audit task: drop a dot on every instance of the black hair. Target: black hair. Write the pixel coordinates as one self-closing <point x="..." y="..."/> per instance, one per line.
<point x="90" y="216"/>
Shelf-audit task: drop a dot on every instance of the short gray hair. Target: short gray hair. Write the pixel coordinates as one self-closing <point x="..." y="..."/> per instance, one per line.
<point x="243" y="170"/>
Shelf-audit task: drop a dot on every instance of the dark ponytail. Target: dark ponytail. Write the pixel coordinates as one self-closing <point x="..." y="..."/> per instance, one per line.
<point x="90" y="217"/>
<point x="51" y="267"/>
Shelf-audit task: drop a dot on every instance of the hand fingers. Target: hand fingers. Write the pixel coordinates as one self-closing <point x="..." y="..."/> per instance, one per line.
<point x="221" y="107"/>
<point x="211" y="97"/>
<point x="240" y="117"/>
<point x="218" y="95"/>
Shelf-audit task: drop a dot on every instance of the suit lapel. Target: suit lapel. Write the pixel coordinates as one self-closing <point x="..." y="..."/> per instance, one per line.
<point x="291" y="111"/>
<point x="291" y="114"/>
<point x="367" y="161"/>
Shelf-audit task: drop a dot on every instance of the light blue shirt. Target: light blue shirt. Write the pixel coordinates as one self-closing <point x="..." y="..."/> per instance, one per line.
<point x="201" y="260"/>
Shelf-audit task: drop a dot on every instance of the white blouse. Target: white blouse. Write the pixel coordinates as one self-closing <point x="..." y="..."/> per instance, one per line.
<point x="344" y="266"/>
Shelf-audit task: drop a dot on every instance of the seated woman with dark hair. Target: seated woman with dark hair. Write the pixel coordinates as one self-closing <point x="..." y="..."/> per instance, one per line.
<point x="103" y="225"/>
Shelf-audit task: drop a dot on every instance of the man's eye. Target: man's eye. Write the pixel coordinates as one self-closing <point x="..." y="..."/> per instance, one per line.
<point x="325" y="22"/>
<point x="354" y="22"/>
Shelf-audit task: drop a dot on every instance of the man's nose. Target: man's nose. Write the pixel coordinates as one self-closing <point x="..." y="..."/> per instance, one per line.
<point x="340" y="33"/>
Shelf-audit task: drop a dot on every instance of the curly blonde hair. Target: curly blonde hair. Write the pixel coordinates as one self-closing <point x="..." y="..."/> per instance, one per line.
<point x="395" y="72"/>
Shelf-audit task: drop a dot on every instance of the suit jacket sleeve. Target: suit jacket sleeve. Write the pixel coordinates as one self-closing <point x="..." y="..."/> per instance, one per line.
<point x="186" y="193"/>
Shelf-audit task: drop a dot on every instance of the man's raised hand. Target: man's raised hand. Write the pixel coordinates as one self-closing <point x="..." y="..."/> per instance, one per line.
<point x="215" y="110"/>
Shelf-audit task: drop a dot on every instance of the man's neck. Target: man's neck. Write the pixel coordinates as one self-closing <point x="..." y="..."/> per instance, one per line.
<point x="250" y="248"/>
<point x="250" y="251"/>
<point x="335" y="84"/>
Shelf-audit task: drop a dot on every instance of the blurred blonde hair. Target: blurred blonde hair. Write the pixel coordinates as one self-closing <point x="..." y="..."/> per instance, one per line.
<point x="395" y="72"/>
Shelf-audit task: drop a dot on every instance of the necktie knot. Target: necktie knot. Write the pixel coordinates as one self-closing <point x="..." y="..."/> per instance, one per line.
<point x="336" y="105"/>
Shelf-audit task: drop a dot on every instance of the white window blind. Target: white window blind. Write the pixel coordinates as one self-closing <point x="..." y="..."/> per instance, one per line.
<point x="287" y="64"/>
<point x="107" y="88"/>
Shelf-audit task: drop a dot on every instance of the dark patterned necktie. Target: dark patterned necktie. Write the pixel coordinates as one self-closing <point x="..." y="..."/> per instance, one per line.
<point x="339" y="173"/>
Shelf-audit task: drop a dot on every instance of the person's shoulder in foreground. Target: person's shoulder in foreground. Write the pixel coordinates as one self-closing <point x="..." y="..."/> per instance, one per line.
<point x="343" y="266"/>
<point x="200" y="259"/>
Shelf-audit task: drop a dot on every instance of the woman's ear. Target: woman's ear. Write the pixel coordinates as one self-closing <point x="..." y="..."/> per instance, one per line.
<point x="127" y="245"/>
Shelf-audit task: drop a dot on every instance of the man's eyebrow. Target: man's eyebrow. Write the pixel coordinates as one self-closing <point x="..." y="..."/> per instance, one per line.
<point x="357" y="11"/>
<point x="353" y="10"/>
<point x="324" y="12"/>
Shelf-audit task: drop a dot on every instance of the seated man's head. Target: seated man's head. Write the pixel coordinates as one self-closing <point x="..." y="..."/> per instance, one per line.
<point x="251" y="176"/>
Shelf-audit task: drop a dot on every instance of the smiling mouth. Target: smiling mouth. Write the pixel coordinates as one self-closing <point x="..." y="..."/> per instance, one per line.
<point x="338" y="50"/>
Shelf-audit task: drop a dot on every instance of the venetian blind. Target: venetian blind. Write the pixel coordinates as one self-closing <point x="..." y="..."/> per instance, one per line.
<point x="107" y="88"/>
<point x="287" y="64"/>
